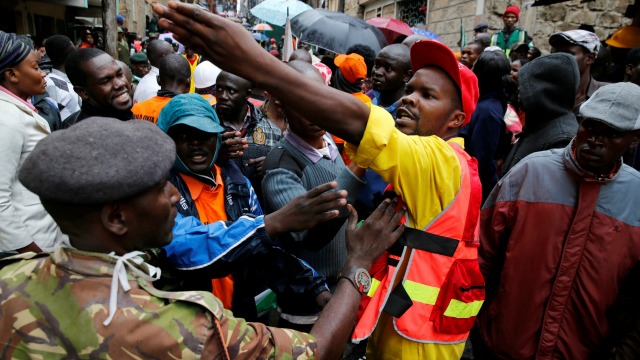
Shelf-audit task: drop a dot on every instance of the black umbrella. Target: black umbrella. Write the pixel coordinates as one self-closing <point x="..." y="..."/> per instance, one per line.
<point x="336" y="31"/>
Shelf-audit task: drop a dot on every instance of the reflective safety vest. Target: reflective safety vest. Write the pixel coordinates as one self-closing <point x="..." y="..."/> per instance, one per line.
<point x="517" y="36"/>
<point x="210" y="98"/>
<point x="442" y="289"/>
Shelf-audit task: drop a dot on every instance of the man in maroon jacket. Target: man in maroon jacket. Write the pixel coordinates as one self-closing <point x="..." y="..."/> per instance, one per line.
<point x="559" y="235"/>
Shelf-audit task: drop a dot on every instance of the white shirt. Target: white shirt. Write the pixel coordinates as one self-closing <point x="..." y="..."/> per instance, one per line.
<point x="147" y="87"/>
<point x="61" y="93"/>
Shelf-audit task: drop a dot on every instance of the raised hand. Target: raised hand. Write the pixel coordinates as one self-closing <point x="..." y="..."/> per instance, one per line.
<point x="306" y="211"/>
<point x="376" y="234"/>
<point x="223" y="42"/>
<point x="232" y="145"/>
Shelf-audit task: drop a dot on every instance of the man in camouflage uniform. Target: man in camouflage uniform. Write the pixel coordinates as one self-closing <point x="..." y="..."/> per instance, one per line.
<point x="70" y="303"/>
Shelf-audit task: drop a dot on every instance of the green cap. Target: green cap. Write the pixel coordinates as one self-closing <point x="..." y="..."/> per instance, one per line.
<point x="139" y="58"/>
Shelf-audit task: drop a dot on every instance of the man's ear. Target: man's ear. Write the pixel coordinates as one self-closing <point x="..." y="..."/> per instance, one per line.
<point x="114" y="219"/>
<point x="81" y="92"/>
<point x="407" y="76"/>
<point x="628" y="69"/>
<point x="636" y="138"/>
<point x="456" y="119"/>
<point x="591" y="58"/>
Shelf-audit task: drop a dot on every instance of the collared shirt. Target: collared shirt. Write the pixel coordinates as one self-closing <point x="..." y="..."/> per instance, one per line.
<point x="391" y="109"/>
<point x="309" y="151"/>
<point x="210" y="204"/>
<point x="147" y="87"/>
<point x="30" y="105"/>
<point x="61" y="93"/>
<point x="233" y="127"/>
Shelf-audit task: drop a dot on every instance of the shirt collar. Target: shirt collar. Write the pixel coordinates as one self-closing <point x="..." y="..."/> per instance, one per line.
<point x="308" y="150"/>
<point x="196" y="186"/>
<point x="28" y="104"/>
<point x="247" y="121"/>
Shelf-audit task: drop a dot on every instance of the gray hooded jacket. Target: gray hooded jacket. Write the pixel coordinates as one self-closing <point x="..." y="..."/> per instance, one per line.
<point x="548" y="87"/>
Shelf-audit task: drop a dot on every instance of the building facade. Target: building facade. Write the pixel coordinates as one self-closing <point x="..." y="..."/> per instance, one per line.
<point x="448" y="18"/>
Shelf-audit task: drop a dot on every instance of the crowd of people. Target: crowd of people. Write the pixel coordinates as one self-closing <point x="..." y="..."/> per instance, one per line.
<point x="406" y="204"/>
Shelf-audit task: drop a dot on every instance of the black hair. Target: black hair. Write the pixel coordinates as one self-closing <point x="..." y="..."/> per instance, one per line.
<point x="174" y="67"/>
<point x="492" y="70"/>
<point x="73" y="66"/>
<point x="522" y="62"/>
<point x="633" y="57"/>
<point x="536" y="52"/>
<point x="366" y="52"/>
<point x="156" y="50"/>
<point x="58" y="48"/>
<point x="480" y="46"/>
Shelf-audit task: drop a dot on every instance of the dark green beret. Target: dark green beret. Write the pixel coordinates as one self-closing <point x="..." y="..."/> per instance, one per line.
<point x="97" y="161"/>
<point x="139" y="58"/>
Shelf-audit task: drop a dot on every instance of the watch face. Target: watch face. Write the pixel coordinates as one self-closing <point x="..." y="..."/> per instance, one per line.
<point x="362" y="280"/>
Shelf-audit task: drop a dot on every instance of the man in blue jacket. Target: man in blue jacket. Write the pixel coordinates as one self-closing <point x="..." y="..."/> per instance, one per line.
<point x="213" y="193"/>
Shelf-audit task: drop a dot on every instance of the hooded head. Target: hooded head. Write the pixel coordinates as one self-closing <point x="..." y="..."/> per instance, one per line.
<point x="548" y="87"/>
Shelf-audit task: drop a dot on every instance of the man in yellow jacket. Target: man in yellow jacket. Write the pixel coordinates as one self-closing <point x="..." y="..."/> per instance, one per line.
<point x="424" y="316"/>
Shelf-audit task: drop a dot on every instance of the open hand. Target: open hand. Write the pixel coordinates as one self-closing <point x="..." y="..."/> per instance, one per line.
<point x="376" y="234"/>
<point x="220" y="40"/>
<point x="306" y="211"/>
<point x="232" y="145"/>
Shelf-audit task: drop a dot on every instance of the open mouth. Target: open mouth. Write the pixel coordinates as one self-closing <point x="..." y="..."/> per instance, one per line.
<point x="404" y="113"/>
<point x="198" y="157"/>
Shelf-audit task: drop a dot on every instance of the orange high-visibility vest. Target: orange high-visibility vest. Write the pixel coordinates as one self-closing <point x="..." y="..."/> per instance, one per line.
<point x="442" y="290"/>
<point x="210" y="98"/>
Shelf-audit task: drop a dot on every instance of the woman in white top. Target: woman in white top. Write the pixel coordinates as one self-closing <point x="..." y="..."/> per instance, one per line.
<point x="24" y="224"/>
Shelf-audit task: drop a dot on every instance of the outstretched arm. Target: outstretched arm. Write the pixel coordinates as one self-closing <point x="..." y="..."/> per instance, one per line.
<point x="231" y="47"/>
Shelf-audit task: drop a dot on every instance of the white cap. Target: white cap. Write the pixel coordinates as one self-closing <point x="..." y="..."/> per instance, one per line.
<point x="205" y="75"/>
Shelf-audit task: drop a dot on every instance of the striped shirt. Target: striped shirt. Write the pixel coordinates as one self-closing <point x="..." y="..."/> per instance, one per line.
<point x="61" y="93"/>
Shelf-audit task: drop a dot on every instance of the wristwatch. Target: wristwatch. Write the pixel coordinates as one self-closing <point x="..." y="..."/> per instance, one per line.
<point x="359" y="278"/>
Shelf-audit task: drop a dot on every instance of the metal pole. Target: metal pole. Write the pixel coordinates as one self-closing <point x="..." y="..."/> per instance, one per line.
<point x="109" y="27"/>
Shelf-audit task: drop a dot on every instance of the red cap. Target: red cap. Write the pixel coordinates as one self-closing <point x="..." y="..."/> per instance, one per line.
<point x="352" y="66"/>
<point x="513" y="10"/>
<point x="432" y="53"/>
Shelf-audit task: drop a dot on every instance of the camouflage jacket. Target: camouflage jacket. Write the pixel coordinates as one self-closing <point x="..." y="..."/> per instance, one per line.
<point x="53" y="306"/>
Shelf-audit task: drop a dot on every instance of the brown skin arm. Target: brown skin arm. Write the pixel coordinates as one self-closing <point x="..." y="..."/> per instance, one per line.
<point x="30" y="248"/>
<point x="364" y="245"/>
<point x="231" y="47"/>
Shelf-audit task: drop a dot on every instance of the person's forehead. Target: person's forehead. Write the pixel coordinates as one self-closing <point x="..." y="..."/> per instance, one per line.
<point x="510" y="15"/>
<point x="101" y="65"/>
<point x="231" y="80"/>
<point x="434" y="78"/>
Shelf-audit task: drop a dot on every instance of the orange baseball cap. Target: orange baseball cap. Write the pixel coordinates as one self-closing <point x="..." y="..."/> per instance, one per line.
<point x="351" y="66"/>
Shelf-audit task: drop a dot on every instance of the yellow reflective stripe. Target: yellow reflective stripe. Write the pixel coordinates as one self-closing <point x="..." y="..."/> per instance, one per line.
<point x="375" y="283"/>
<point x="421" y="293"/>
<point x="463" y="310"/>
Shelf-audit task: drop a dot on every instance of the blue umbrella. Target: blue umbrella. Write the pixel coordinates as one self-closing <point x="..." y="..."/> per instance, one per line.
<point x="275" y="11"/>
<point x="427" y="33"/>
<point x="260" y="36"/>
